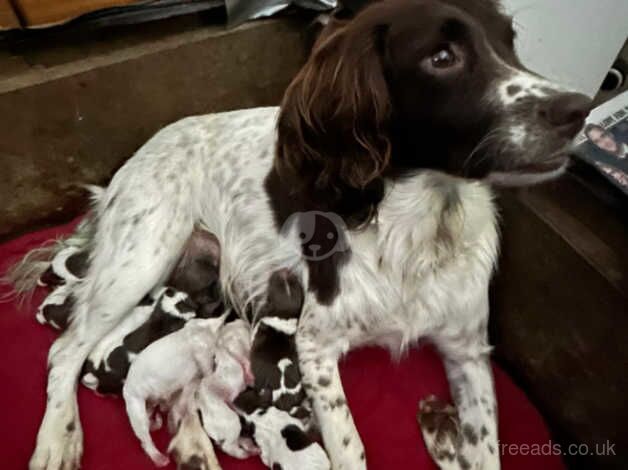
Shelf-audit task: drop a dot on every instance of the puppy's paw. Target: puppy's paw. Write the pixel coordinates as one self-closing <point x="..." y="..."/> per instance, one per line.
<point x="156" y="421"/>
<point x="195" y="462"/>
<point x="159" y="459"/>
<point x="191" y="447"/>
<point x="440" y="427"/>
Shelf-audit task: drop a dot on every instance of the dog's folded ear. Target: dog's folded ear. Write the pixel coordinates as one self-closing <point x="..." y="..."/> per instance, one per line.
<point x="333" y="126"/>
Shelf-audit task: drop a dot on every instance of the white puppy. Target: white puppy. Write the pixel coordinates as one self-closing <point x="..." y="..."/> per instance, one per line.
<point x="218" y="390"/>
<point x="164" y="368"/>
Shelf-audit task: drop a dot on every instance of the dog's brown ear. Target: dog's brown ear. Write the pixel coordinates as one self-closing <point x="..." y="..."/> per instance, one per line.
<point x="334" y="118"/>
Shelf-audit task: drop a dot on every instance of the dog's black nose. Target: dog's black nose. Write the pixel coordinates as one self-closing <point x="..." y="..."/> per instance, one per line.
<point x="566" y="112"/>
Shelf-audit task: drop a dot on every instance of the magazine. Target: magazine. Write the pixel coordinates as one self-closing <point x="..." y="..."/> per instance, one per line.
<point x="603" y="143"/>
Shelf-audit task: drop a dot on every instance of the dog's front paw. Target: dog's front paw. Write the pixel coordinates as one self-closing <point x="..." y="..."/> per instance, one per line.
<point x="440" y="427"/>
<point x="452" y="445"/>
<point x="59" y="446"/>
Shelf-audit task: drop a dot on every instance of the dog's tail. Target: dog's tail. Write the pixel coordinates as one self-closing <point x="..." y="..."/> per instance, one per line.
<point x="24" y="276"/>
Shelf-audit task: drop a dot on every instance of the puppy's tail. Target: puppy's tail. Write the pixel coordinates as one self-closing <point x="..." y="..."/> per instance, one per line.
<point x="23" y="277"/>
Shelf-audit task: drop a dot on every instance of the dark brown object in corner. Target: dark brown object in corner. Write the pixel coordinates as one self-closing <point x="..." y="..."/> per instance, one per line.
<point x="560" y="314"/>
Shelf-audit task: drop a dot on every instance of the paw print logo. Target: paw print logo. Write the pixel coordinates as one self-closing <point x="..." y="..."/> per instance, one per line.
<point x="320" y="234"/>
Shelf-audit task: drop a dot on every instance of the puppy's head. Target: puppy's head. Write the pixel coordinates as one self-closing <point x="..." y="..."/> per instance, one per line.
<point x="285" y="294"/>
<point x="421" y="84"/>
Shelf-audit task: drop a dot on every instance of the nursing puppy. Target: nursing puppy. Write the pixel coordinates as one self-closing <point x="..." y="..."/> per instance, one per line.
<point x="69" y="265"/>
<point x="276" y="407"/>
<point x="193" y="292"/>
<point x="158" y="315"/>
<point x="196" y="274"/>
<point x="165" y="368"/>
<point x="274" y="359"/>
<point x="217" y="391"/>
<point x="66" y="269"/>
<point x="56" y="308"/>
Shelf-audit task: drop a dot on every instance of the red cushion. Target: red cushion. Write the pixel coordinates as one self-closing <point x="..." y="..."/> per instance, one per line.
<point x="382" y="394"/>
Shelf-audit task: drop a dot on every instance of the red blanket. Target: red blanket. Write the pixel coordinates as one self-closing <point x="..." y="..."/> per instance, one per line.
<point x="383" y="397"/>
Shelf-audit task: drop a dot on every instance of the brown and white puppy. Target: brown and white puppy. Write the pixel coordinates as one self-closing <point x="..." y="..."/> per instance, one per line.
<point x="276" y="407"/>
<point x="193" y="292"/>
<point x="158" y="315"/>
<point x="66" y="269"/>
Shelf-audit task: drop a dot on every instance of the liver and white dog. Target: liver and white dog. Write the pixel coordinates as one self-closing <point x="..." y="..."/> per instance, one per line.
<point x="390" y="136"/>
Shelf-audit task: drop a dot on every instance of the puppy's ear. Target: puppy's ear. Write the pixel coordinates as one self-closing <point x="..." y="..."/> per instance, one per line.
<point x="333" y="127"/>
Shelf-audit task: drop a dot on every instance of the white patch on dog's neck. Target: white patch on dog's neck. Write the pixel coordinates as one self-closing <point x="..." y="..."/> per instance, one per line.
<point x="430" y="218"/>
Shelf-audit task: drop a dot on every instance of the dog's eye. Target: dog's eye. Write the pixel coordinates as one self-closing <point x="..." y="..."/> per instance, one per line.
<point x="444" y="58"/>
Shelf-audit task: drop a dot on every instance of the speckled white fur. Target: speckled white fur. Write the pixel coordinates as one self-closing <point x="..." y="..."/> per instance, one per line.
<point x="436" y="237"/>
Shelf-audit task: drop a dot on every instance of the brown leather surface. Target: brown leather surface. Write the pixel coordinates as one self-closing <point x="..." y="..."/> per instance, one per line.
<point x="8" y="19"/>
<point x="558" y="322"/>
<point x="37" y="13"/>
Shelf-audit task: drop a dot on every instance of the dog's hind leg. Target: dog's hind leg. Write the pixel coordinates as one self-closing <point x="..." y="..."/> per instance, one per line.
<point x="137" y="242"/>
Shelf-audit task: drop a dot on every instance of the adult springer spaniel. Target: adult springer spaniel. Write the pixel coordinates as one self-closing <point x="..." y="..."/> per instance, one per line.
<point x="371" y="182"/>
